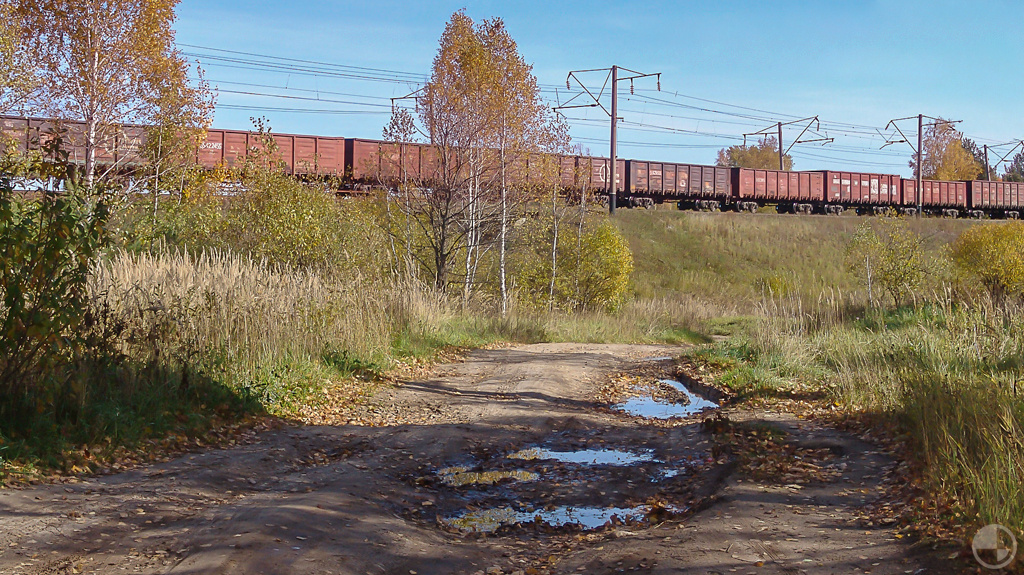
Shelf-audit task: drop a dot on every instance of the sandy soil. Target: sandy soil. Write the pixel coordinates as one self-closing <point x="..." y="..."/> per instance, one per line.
<point x="369" y="500"/>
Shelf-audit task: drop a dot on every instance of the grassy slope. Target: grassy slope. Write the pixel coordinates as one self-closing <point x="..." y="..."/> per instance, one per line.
<point x="731" y="258"/>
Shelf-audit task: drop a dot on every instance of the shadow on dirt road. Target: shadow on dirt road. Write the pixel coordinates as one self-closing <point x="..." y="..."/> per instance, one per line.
<point x="443" y="486"/>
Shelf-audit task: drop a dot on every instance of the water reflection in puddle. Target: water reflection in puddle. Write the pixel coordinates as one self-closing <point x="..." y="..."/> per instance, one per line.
<point x="664" y="358"/>
<point x="653" y="408"/>
<point x="461" y="476"/>
<point x="585" y="456"/>
<point x="488" y="520"/>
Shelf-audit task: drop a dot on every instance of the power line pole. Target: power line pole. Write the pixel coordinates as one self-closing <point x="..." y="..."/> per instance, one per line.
<point x="1016" y="144"/>
<point x="919" y="151"/>
<point x="813" y="120"/>
<point x="781" y="165"/>
<point x="614" y="143"/>
<point x="613" y="75"/>
<point x="920" y="166"/>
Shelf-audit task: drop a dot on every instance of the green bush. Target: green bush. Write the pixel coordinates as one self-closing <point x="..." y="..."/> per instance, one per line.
<point x="887" y="254"/>
<point x="47" y="247"/>
<point x="257" y="210"/>
<point x="71" y="370"/>
<point x="279" y="219"/>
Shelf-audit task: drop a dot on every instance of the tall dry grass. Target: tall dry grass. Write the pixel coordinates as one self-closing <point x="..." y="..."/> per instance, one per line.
<point x="238" y="319"/>
<point x="946" y="370"/>
<point x="251" y="310"/>
<point x="947" y="374"/>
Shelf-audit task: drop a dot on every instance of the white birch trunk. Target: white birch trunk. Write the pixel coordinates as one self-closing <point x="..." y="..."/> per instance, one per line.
<point x="579" y="246"/>
<point x="504" y="227"/>
<point x="92" y="121"/>
<point x="554" y="247"/>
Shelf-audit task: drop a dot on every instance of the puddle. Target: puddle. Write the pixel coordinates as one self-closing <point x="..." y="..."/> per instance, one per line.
<point x="653" y="408"/>
<point x="585" y="456"/>
<point x="488" y="520"/>
<point x="504" y="510"/>
<point x="664" y="358"/>
<point x="462" y="476"/>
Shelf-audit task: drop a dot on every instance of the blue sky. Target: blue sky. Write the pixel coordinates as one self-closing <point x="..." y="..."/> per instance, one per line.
<point x="727" y="68"/>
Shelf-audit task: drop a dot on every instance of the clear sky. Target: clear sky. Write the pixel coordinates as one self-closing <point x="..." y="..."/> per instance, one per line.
<point x="728" y="67"/>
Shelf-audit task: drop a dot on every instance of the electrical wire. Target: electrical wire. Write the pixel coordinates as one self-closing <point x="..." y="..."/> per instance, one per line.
<point x="304" y="98"/>
<point x="298" y="110"/>
<point x="742" y="116"/>
<point x="290" y="89"/>
<point x="411" y="76"/>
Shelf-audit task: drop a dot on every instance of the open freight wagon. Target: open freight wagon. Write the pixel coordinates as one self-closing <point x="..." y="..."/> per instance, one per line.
<point x="693" y="186"/>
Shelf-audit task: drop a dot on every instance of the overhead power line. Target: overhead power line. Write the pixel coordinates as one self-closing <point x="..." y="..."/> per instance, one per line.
<point x="614" y="79"/>
<point x="647" y="104"/>
<point x="292" y="89"/>
<point x="359" y="69"/>
<point x="305" y="98"/>
<point x="779" y="125"/>
<point x="299" y="110"/>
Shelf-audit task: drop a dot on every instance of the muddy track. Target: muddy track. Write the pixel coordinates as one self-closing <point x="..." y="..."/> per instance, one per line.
<point x="400" y="497"/>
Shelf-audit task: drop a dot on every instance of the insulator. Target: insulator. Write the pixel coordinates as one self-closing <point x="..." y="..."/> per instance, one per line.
<point x="659" y="83"/>
<point x="631" y="87"/>
<point x="567" y="86"/>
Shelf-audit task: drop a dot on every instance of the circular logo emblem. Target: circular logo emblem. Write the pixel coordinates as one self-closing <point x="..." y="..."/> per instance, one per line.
<point x="994" y="546"/>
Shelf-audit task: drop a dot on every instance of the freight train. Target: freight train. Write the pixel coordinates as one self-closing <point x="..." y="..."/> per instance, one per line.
<point x="359" y="164"/>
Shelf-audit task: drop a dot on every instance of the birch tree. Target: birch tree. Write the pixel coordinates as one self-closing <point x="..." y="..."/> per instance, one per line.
<point x="401" y="130"/>
<point x="482" y="111"/>
<point x="525" y="126"/>
<point x="887" y="253"/>
<point x="451" y="109"/>
<point x="111" y="62"/>
<point x="17" y="74"/>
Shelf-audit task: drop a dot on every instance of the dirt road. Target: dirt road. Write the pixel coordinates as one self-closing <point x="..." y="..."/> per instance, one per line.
<point x="452" y="482"/>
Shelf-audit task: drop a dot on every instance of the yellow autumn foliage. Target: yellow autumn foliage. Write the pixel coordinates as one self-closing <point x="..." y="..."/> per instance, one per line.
<point x="592" y="270"/>
<point x="994" y="255"/>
